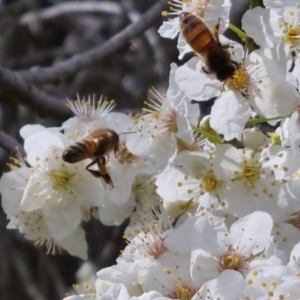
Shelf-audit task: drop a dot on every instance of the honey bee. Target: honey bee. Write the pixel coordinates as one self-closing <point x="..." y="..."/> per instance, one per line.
<point x="215" y="56"/>
<point x="97" y="145"/>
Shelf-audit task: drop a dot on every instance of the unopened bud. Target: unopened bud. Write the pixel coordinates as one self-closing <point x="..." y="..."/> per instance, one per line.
<point x="253" y="138"/>
<point x="205" y="125"/>
<point x="275" y="137"/>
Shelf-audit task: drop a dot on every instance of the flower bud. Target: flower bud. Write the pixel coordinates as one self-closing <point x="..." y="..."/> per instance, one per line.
<point x="205" y="125"/>
<point x="253" y="138"/>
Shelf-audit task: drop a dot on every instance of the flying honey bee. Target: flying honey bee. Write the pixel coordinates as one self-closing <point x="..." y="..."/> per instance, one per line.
<point x="215" y="56"/>
<point x="96" y="146"/>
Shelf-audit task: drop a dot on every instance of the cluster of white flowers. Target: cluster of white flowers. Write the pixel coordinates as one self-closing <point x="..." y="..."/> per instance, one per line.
<point x="214" y="206"/>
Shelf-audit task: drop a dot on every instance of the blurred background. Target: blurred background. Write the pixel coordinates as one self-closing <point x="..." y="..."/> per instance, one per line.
<point x="44" y="33"/>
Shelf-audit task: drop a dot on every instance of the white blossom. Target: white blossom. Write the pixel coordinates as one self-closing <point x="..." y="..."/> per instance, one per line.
<point x="256" y="178"/>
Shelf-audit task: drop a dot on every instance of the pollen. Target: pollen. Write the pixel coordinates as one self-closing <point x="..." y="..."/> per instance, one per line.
<point x="291" y="31"/>
<point x="231" y="261"/>
<point x="250" y="172"/>
<point x="183" y="293"/>
<point x="210" y="183"/>
<point x="239" y="81"/>
<point x="124" y="156"/>
<point x="62" y="179"/>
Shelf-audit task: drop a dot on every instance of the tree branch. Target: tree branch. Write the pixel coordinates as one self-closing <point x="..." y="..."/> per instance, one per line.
<point x="69" y="8"/>
<point x="10" y="145"/>
<point x="78" y="62"/>
<point x="17" y="88"/>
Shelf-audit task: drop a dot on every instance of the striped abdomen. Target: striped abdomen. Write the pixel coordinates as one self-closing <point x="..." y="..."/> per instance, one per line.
<point x="79" y="151"/>
<point x="196" y="33"/>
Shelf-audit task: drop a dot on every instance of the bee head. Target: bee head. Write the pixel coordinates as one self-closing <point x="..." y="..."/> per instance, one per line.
<point x="226" y="72"/>
<point x="70" y="155"/>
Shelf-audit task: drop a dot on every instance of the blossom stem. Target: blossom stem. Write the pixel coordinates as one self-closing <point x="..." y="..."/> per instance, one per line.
<point x="238" y="31"/>
<point x="262" y="119"/>
<point x="212" y="138"/>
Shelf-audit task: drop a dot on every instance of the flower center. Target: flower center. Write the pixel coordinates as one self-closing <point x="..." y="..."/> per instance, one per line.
<point x="210" y="183"/>
<point x="181" y="292"/>
<point x="292" y="36"/>
<point x="231" y="261"/>
<point x="143" y="186"/>
<point x="291" y="29"/>
<point x="63" y="179"/>
<point x="239" y="80"/>
<point x="250" y="172"/>
<point x="124" y="156"/>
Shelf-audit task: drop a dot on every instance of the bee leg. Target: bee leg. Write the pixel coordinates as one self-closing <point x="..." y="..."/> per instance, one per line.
<point x="91" y="164"/>
<point x="205" y="70"/>
<point x="293" y="54"/>
<point x="115" y="151"/>
<point x="216" y="31"/>
<point x="95" y="173"/>
<point x="103" y="172"/>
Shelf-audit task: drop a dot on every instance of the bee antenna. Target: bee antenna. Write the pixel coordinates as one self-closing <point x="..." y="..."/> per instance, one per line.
<point x="127" y="132"/>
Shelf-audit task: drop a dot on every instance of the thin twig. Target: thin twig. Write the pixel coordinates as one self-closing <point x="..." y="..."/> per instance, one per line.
<point x="78" y="62"/>
<point x="28" y="95"/>
<point x="152" y="36"/>
<point x="10" y="145"/>
<point x="70" y="8"/>
<point x="53" y="272"/>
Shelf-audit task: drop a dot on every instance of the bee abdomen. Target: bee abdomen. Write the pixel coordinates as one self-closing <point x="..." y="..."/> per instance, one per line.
<point x="79" y="151"/>
<point x="195" y="32"/>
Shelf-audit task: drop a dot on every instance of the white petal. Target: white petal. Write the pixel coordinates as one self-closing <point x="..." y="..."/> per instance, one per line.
<point x="278" y="99"/>
<point x="112" y="214"/>
<point x="203" y="266"/>
<point x="275" y="61"/>
<point x="169" y="29"/>
<point x="229" y="115"/>
<point x="228" y="286"/>
<point x="262" y="25"/>
<point x="62" y="218"/>
<point x="183" y="47"/>
<point x="275" y="4"/>
<point x="293" y="128"/>
<point x="36" y="190"/>
<point x="27" y="130"/>
<point x="89" y="189"/>
<point x="252" y="233"/>
<point x="196" y="84"/>
<point x="192" y="234"/>
<point x="75" y="244"/>
<point x="37" y="144"/>
<point x="12" y="188"/>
